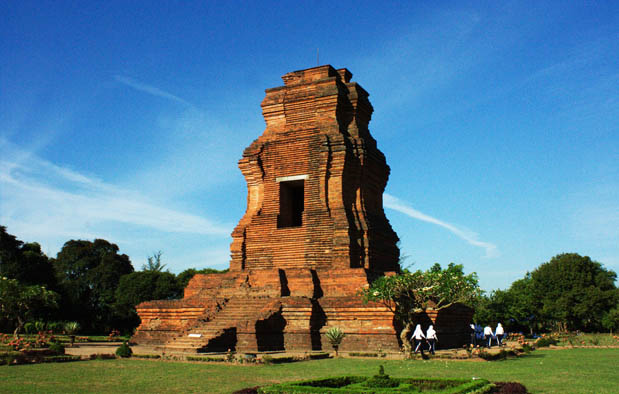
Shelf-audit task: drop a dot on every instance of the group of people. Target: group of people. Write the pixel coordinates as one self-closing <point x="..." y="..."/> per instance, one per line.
<point x="485" y="335"/>
<point x="479" y="335"/>
<point x="419" y="339"/>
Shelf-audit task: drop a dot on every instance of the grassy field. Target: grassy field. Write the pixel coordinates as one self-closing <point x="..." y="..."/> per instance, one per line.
<point x="543" y="371"/>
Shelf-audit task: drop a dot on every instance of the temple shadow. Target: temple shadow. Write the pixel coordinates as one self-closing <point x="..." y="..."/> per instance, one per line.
<point x="270" y="333"/>
<point x="317" y="321"/>
<point x="222" y="343"/>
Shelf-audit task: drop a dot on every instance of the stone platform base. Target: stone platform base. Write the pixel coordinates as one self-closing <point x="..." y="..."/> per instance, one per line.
<point x="271" y="310"/>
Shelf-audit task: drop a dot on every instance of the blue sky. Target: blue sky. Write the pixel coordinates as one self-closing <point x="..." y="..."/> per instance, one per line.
<point x="125" y="121"/>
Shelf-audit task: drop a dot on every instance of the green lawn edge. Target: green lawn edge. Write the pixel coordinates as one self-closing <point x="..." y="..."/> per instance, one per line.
<point x="580" y="370"/>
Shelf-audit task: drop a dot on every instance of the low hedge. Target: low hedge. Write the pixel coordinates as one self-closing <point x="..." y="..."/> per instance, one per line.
<point x="364" y="384"/>
<point x="17" y="358"/>
<point x="61" y="359"/>
<point x="545" y="342"/>
<point x="319" y="356"/>
<point x="147" y="356"/>
<point x="205" y="359"/>
<point x="359" y="354"/>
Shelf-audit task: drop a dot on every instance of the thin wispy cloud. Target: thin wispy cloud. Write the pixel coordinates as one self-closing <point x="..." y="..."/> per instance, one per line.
<point x="46" y="200"/>
<point x="470" y="237"/>
<point x="152" y="90"/>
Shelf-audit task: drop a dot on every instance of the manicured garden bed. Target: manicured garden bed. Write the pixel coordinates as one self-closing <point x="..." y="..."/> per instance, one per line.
<point x="380" y="384"/>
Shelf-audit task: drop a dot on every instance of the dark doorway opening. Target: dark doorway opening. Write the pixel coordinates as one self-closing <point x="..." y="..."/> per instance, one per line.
<point x="283" y="281"/>
<point x="291" y="204"/>
<point x="222" y="343"/>
<point x="270" y="333"/>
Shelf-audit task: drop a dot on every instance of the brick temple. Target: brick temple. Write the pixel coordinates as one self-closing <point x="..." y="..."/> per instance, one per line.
<point x="313" y="234"/>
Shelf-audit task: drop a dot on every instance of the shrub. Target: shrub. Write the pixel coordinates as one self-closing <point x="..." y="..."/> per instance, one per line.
<point x="266" y="359"/>
<point x="30" y="328"/>
<point x="10" y="358"/>
<point x="318" y="356"/>
<point x="71" y="327"/>
<point x="381" y="380"/>
<point x="124" y="350"/>
<point x="502" y="355"/>
<point x="198" y="358"/>
<point x="101" y="356"/>
<point x="249" y="390"/>
<point x="336" y="382"/>
<point x="510" y="388"/>
<point x="335" y="336"/>
<point x="60" y="359"/>
<point x="545" y="341"/>
<point x="527" y="348"/>
<point x="159" y="356"/>
<point x="55" y="326"/>
<point x="40" y="325"/>
<point x="56" y="348"/>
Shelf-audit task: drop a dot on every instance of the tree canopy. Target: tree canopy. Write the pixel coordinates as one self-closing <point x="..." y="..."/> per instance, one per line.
<point x="185" y="276"/>
<point x="24" y="261"/>
<point x="91" y="281"/>
<point x="573" y="292"/>
<point x="569" y="292"/>
<point x="21" y="303"/>
<point x="409" y="294"/>
<point x="88" y="274"/>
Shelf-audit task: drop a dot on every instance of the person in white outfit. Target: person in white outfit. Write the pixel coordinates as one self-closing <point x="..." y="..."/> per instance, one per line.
<point x="499" y="332"/>
<point x="431" y="338"/>
<point x="488" y="335"/>
<point x="473" y="335"/>
<point x="418" y="337"/>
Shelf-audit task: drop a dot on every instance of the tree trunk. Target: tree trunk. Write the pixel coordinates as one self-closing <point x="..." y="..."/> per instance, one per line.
<point x="20" y="324"/>
<point x="404" y="337"/>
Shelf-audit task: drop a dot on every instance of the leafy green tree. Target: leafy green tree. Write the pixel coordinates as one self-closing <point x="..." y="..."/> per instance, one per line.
<point x="147" y="285"/>
<point x="10" y="253"/>
<point x="142" y="286"/>
<point x="410" y="294"/>
<point x="21" y="303"/>
<point x="492" y="307"/>
<point x="185" y="276"/>
<point x="514" y="308"/>
<point x="572" y="292"/>
<point x="24" y="261"/>
<point x="38" y="267"/>
<point x="88" y="274"/>
<point x="610" y="320"/>
<point x="153" y="263"/>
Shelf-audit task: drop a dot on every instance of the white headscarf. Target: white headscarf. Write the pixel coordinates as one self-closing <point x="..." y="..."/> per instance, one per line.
<point x="418" y="334"/>
<point x="431" y="334"/>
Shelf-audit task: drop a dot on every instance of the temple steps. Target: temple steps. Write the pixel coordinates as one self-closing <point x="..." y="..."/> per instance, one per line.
<point x="236" y="313"/>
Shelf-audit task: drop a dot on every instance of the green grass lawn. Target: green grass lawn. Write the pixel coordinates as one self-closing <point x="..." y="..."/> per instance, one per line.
<point x="543" y="371"/>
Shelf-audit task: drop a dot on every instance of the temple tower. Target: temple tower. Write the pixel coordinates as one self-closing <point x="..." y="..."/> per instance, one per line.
<point x="314" y="233"/>
<point x="315" y="181"/>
